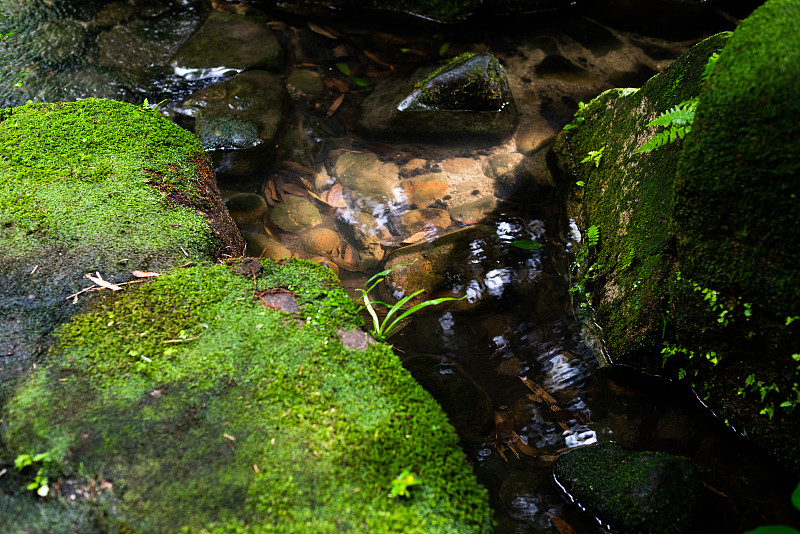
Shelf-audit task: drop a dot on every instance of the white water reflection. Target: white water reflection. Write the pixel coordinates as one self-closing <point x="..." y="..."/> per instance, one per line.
<point x="496" y="280"/>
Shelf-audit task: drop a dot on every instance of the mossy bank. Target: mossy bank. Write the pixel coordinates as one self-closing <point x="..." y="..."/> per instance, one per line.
<point x="694" y="274"/>
<point x="95" y="186"/>
<point x="222" y="399"/>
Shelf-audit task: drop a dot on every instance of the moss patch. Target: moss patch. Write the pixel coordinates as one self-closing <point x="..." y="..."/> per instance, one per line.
<point x="211" y="412"/>
<point x="736" y="212"/>
<point x="628" y="197"/>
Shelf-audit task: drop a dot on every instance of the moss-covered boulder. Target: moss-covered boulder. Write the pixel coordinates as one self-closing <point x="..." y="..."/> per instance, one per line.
<point x="632" y="491"/>
<point x="97" y="187"/>
<point x="628" y="197"/>
<point x="222" y="399"/>
<point x="695" y="270"/>
<point x="737" y="207"/>
<point x="467" y="97"/>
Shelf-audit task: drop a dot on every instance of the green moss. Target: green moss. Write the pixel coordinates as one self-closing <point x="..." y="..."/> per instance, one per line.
<point x="635" y="492"/>
<point x="628" y="197"/>
<point x="736" y="212"/>
<point x="99" y="172"/>
<point x="176" y="390"/>
<point x="474" y="82"/>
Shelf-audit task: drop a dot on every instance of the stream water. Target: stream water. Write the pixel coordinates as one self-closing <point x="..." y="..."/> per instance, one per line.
<point x="487" y="363"/>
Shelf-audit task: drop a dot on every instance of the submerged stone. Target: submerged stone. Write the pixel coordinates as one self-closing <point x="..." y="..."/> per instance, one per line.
<point x="631" y="491"/>
<point x="295" y="214"/>
<point x="243" y="112"/>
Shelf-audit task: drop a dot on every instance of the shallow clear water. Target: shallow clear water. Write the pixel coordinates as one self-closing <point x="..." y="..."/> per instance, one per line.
<point x="514" y="371"/>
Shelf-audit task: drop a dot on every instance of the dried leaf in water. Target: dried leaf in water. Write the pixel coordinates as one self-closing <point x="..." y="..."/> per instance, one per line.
<point x="297" y="167"/>
<point x="380" y="148"/>
<point x="337" y="83"/>
<point x="416" y="238"/>
<point x="538" y="390"/>
<point x="561" y="526"/>
<point x="335" y="197"/>
<point x="325" y="32"/>
<point x="350" y="255"/>
<point x="375" y="58"/>
<point x="270" y="194"/>
<point x="142" y="274"/>
<point x="334" y="106"/>
<point x="294" y="190"/>
<point x="524" y="448"/>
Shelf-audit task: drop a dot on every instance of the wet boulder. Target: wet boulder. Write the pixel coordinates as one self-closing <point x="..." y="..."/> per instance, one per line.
<point x="295" y="214"/>
<point x="241" y="113"/>
<point x="231" y="41"/>
<point x="631" y="491"/>
<point x="467" y="97"/>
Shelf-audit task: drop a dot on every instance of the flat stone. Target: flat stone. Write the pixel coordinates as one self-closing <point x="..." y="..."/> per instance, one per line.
<point x="320" y="240"/>
<point x="473" y="212"/>
<point x="263" y="246"/>
<point x="425" y="188"/>
<point x="365" y="174"/>
<point x="414" y="221"/>
<point x="295" y="214"/>
<point x="246" y="208"/>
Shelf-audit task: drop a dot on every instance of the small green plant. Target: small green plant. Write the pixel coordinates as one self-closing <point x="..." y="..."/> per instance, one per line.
<point x="677" y="120"/>
<point x="40" y="484"/>
<point x="590" y="240"/>
<point x="594" y="156"/>
<point x="577" y="120"/>
<point x="383" y="329"/>
<point x="780" y="529"/>
<point x="400" y="485"/>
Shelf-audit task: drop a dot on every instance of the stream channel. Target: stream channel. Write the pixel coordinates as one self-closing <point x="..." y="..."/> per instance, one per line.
<point x="520" y="331"/>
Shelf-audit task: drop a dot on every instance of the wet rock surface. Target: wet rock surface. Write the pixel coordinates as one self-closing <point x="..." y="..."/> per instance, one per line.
<point x="631" y="491"/>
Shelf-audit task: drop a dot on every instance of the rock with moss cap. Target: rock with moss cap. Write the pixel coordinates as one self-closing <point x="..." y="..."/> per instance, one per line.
<point x="223" y="398"/>
<point x="695" y="270"/>
<point x="631" y="491"/>
<point x="98" y="187"/>
<point x="737" y="203"/>
<point x="467" y="97"/>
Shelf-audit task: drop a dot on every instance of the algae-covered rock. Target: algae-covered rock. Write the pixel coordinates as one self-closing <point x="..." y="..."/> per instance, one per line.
<point x="193" y="402"/>
<point x="628" y="197"/>
<point x="295" y="214"/>
<point x="243" y="112"/>
<point x="467" y="97"/>
<point x="632" y="491"/>
<point x="96" y="187"/>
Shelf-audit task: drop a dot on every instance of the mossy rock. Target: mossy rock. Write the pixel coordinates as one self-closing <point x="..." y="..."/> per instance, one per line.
<point x="632" y="491"/>
<point x="737" y="206"/>
<point x="222" y="399"/>
<point x="95" y="186"/>
<point x="468" y="97"/>
<point x="628" y="197"/>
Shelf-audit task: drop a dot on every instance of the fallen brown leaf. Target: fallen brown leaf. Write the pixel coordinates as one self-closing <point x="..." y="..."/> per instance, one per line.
<point x="143" y="274"/>
<point x="334" y="106"/>
<point x="561" y="526"/>
<point x="416" y="238"/>
<point x="325" y="32"/>
<point x="294" y="190"/>
<point x="97" y="279"/>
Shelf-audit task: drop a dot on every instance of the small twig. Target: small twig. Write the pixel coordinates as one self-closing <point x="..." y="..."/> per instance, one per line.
<point x="181" y="340"/>
<point x="184" y="251"/>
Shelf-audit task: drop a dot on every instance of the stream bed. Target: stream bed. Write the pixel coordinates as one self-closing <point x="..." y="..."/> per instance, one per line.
<point x="517" y="365"/>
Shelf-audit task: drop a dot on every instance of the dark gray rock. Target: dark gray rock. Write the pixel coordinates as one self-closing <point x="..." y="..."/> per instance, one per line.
<point x="631" y="491"/>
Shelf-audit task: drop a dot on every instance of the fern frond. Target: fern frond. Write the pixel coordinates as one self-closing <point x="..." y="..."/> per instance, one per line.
<point x="712" y="60"/>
